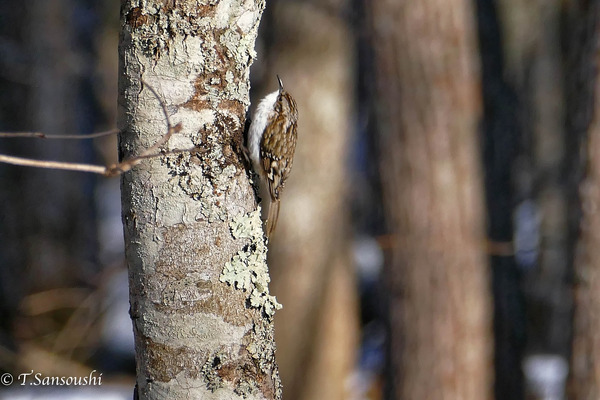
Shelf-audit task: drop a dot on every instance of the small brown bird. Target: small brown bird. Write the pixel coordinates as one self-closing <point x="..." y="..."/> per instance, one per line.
<point x="271" y="144"/>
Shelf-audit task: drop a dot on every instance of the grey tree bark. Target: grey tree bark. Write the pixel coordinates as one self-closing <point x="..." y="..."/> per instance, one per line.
<point x="440" y="314"/>
<point x="200" y="305"/>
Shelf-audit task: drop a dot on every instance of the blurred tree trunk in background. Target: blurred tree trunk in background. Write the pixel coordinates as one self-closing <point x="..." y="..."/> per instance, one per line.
<point x="15" y="89"/>
<point x="309" y="44"/>
<point x="440" y="311"/>
<point x="582" y="89"/>
<point x="547" y="169"/>
<point x="501" y="135"/>
<point x="534" y="64"/>
<point x="547" y="288"/>
<point x="47" y="235"/>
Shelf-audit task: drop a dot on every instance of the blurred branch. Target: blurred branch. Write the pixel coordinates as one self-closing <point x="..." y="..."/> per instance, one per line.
<point x="79" y="324"/>
<point x="49" y="363"/>
<point x="41" y="135"/>
<point x="86" y="308"/>
<point x="492" y="247"/>
<point x="52" y="300"/>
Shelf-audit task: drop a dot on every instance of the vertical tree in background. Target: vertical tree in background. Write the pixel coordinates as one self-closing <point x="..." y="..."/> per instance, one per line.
<point x="581" y="40"/>
<point x="440" y="314"/>
<point x="13" y="255"/>
<point x="500" y="134"/>
<point x="547" y="288"/>
<point x="310" y="46"/>
<point x="200" y="306"/>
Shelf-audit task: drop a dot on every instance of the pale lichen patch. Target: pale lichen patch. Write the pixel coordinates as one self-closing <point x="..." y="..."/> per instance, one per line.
<point x="206" y="175"/>
<point x="210" y="371"/>
<point x="237" y="48"/>
<point x="248" y="270"/>
<point x="244" y="227"/>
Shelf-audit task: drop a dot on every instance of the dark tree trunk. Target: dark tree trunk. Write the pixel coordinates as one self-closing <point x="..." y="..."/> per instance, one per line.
<point x="500" y="132"/>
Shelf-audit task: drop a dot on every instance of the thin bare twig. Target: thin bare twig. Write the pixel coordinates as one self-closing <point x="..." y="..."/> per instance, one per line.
<point x="27" y="162"/>
<point x="124" y="166"/>
<point x="112" y="170"/>
<point x="129" y="163"/>
<point x="170" y="128"/>
<point x="22" y="134"/>
<point x="42" y="135"/>
<point x="162" y="104"/>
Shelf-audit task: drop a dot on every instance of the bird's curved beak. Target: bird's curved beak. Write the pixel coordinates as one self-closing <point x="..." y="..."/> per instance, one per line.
<point x="280" y="83"/>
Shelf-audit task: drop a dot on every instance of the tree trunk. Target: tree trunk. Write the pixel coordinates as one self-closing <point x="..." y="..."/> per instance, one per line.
<point x="200" y="305"/>
<point x="582" y="89"/>
<point x="585" y="382"/>
<point x="548" y="290"/>
<point x="440" y="314"/>
<point x="317" y="330"/>
<point x="501" y="134"/>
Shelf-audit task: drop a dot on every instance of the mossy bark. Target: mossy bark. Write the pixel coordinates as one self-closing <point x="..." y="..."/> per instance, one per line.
<point x="201" y="311"/>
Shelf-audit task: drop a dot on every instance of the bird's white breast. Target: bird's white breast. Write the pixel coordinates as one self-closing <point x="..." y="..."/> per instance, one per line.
<point x="257" y="127"/>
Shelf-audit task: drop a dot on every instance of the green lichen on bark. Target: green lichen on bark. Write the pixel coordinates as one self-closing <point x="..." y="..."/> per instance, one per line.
<point x="210" y="371"/>
<point x="248" y="269"/>
<point x="220" y="371"/>
<point x="206" y="176"/>
<point x="196" y="55"/>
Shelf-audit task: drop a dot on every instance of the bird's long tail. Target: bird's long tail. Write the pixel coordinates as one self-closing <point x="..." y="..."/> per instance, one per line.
<point x="272" y="217"/>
